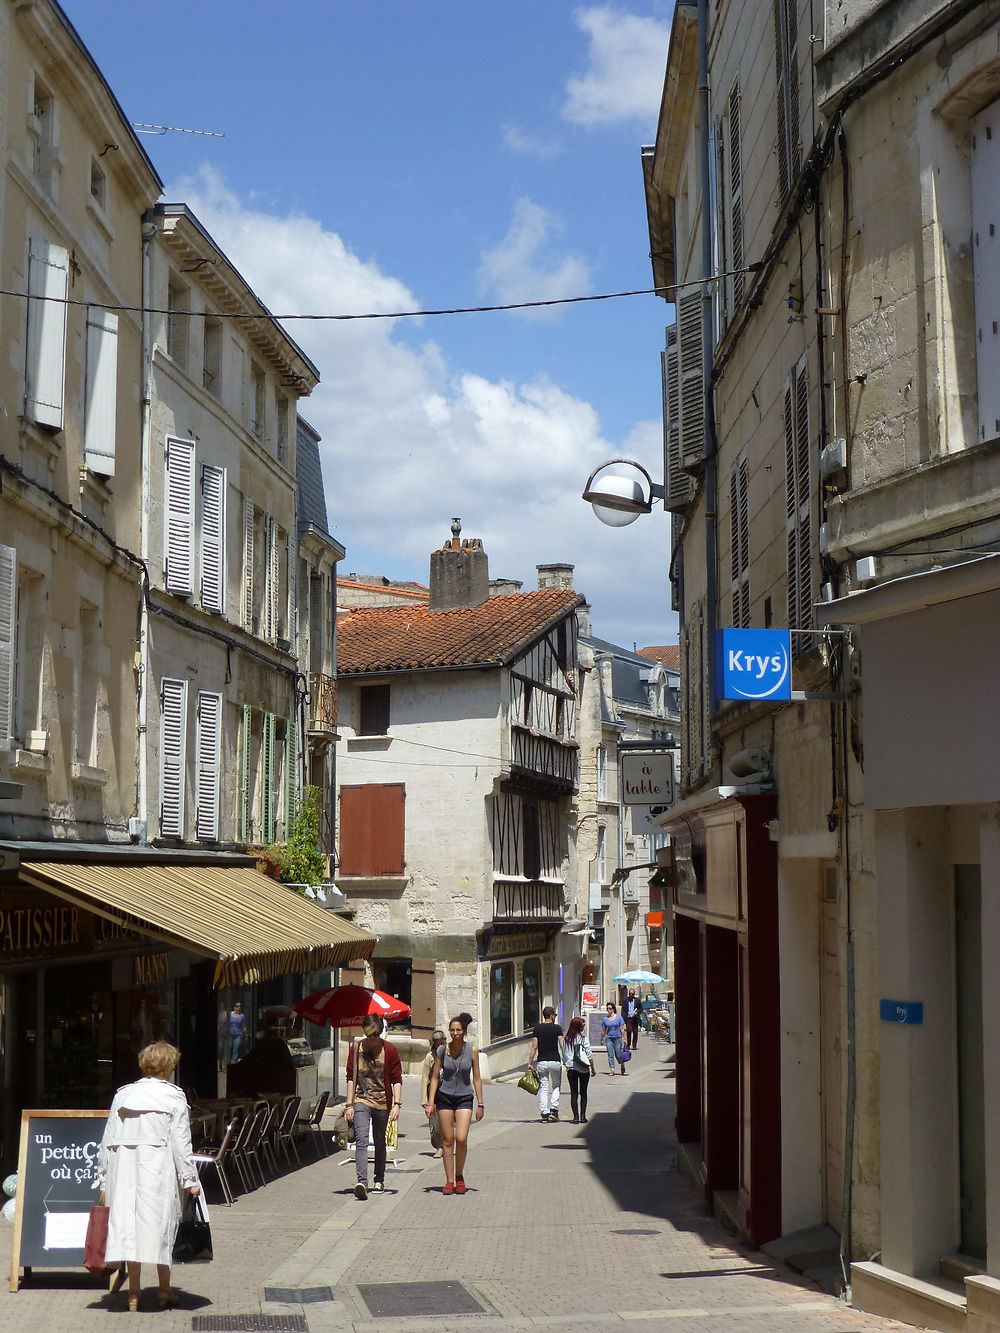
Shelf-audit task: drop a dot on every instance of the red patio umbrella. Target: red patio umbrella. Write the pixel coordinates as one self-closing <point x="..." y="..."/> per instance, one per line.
<point x="346" y="1006"/>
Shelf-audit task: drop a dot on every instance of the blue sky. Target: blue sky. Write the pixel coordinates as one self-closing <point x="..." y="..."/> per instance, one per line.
<point x="386" y="155"/>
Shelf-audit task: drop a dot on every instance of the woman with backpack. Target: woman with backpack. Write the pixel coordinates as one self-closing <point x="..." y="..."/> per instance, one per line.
<point x="579" y="1061"/>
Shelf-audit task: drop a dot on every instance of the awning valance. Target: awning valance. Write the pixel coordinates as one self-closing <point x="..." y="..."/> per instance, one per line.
<point x="254" y="927"/>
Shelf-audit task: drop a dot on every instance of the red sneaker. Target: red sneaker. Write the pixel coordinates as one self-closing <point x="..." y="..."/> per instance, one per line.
<point x="459" y="1185"/>
<point x="449" y="1188"/>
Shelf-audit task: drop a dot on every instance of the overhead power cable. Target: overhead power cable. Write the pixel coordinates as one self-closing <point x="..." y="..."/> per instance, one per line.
<point x="386" y="314"/>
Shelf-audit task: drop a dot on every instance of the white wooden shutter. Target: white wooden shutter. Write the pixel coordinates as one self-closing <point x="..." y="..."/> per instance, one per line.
<point x="691" y="378"/>
<point x="209" y="765"/>
<point x="8" y="643"/>
<point x="739" y="531"/>
<point x="248" y="590"/>
<point x="102" y="391"/>
<point x="267" y="779"/>
<point x="213" y="538"/>
<point x="271" y="580"/>
<point x="246" y="820"/>
<point x="798" y="507"/>
<point x="984" y="136"/>
<point x="679" y="485"/>
<point x="45" y="362"/>
<point x="786" y="63"/>
<point x="735" y="195"/>
<point x="173" y="745"/>
<point x="179" y="518"/>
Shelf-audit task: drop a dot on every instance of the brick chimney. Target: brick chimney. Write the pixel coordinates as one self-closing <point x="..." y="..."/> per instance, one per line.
<point x="554" y="576"/>
<point x="460" y="573"/>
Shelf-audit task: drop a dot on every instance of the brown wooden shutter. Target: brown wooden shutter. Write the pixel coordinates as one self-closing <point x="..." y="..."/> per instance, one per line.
<point x="423" y="996"/>
<point x="372" y="829"/>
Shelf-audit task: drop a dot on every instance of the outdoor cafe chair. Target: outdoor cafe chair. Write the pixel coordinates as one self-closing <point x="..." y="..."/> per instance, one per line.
<point x="269" y="1135"/>
<point x="218" y="1160"/>
<point x="285" y="1137"/>
<point x="310" y="1126"/>
<point x="238" y="1148"/>
<point x="251" y="1146"/>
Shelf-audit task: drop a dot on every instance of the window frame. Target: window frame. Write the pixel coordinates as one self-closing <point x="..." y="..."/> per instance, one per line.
<point x="374" y="709"/>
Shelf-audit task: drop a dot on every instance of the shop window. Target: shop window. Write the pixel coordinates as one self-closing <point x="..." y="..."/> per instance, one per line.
<point x="394" y="976"/>
<point x="374" y="720"/>
<point x="501" y="1000"/>
<point x="532" y="993"/>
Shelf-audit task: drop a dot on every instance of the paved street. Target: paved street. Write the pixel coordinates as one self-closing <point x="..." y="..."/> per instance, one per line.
<point x="583" y="1227"/>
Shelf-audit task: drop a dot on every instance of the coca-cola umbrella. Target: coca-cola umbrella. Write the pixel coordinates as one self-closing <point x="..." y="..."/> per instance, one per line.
<point x="346" y="1006"/>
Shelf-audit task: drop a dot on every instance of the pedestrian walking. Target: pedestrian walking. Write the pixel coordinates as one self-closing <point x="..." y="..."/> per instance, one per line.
<point x="546" y="1045"/>
<point x="374" y="1096"/>
<point x="437" y="1039"/>
<point x="145" y="1167"/>
<point x="453" y="1078"/>
<point x="631" y="1009"/>
<point x="579" y="1061"/>
<point x="613" y="1030"/>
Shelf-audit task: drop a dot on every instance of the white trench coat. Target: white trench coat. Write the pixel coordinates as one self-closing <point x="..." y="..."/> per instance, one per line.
<point x="145" y="1166"/>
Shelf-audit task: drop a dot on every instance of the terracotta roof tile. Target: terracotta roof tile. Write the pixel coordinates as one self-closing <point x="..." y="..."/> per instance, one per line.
<point x="668" y="653"/>
<point x="410" y="638"/>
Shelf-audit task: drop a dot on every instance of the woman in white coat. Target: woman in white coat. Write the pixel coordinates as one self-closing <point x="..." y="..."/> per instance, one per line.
<point x="145" y="1166"/>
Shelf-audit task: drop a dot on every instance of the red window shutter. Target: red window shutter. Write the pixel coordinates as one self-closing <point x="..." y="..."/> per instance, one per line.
<point x="372" y="829"/>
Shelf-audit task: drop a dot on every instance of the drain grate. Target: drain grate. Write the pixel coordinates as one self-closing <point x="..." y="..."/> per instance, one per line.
<point x="297" y="1295"/>
<point x="634" y="1231"/>
<point x="402" y="1299"/>
<point x="249" y="1323"/>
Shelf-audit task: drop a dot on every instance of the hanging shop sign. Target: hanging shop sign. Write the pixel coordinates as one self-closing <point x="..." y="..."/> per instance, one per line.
<point x="755" y="664"/>
<point x="648" y="779"/>
<point x="497" y="944"/>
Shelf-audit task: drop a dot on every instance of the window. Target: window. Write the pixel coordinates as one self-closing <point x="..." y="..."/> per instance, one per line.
<point x="602" y="773"/>
<point x="372" y="829"/>
<point x="211" y="366"/>
<point x="798" y="507"/>
<point x="178" y="521"/>
<point x="173" y="739"/>
<point x="257" y="400"/>
<point x="8" y="643"/>
<point x="42" y="128"/>
<point x="394" y="976"/>
<point x="532" y="992"/>
<point x="88" y="687"/>
<point x="374" y="710"/>
<point x="209" y="747"/>
<point x="45" y="359"/>
<point x="281" y="429"/>
<point x="501" y="1001"/>
<point x="102" y="391"/>
<point x="787" y="100"/>
<point x="213" y="538"/>
<point x="532" y="858"/>
<point x="739" y="534"/>
<point x="178" y="307"/>
<point x="984" y="140"/>
<point x="602" y="854"/>
<point x="98" y="185"/>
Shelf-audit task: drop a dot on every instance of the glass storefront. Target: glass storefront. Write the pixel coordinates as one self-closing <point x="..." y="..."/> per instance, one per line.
<point x="501" y="1001"/>
<point x="532" y="997"/>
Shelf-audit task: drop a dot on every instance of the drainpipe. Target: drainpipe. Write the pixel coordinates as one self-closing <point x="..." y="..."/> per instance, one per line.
<point x="711" y="462"/>
<point x="142" y="783"/>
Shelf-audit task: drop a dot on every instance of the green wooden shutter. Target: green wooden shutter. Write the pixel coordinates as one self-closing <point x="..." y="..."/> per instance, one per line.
<point x="267" y="779"/>
<point x="291" y="772"/>
<point x="245" y="821"/>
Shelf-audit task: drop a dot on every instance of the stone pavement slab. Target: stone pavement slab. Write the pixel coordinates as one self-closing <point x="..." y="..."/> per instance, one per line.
<point x="564" y="1226"/>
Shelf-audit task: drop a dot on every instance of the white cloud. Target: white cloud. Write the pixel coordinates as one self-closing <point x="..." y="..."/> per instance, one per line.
<point x="527" y="266"/>
<point x="519" y="140"/>
<point x="624" y="78"/>
<point x="409" y="439"/>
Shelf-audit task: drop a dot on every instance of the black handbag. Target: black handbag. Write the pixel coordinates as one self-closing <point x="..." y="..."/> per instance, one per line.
<point x="194" y="1235"/>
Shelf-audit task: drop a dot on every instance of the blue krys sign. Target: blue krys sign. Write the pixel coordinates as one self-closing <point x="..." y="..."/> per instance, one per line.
<point x="901" y="1011"/>
<point x="755" y="664"/>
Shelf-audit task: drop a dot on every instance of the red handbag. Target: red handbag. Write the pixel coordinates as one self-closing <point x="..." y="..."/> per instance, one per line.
<point x="97" y="1239"/>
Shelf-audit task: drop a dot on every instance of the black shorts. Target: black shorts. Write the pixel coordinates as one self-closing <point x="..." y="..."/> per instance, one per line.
<point x="446" y="1101"/>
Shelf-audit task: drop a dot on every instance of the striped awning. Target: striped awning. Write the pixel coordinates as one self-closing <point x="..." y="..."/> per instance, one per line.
<point x="254" y="927"/>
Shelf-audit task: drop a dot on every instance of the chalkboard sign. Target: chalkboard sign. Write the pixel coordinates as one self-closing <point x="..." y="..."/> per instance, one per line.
<point x="56" y="1174"/>
<point x="594" y="1029"/>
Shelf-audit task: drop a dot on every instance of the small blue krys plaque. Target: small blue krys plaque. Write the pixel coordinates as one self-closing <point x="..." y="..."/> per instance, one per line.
<point x="901" y="1011"/>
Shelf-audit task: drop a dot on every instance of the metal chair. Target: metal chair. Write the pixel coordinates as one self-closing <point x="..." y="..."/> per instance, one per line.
<point x="218" y="1160"/>
<point x="268" y="1137"/>
<point x="238" y="1148"/>
<point x="285" y="1136"/>
<point x="313" y="1123"/>
<point x="251" y="1148"/>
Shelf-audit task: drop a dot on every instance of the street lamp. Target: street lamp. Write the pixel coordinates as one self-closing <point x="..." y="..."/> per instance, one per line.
<point x="618" y="498"/>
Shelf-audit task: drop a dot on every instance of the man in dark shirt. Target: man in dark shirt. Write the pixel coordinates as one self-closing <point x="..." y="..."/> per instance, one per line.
<point x="631" y="1009"/>
<point x="546" y="1044"/>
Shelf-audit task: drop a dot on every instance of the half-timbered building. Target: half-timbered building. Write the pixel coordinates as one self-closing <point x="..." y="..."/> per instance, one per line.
<point x="458" y="773"/>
